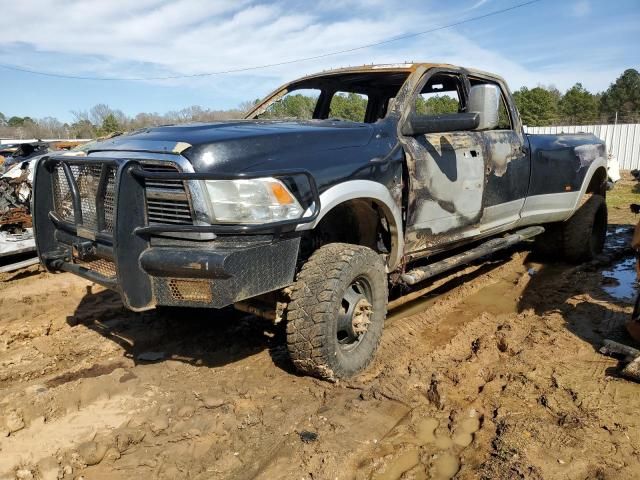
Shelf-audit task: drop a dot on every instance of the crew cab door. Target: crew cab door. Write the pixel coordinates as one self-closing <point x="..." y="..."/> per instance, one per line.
<point x="508" y="163"/>
<point x="446" y="168"/>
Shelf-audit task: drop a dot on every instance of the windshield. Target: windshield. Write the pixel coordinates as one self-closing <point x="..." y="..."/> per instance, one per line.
<point x="355" y="97"/>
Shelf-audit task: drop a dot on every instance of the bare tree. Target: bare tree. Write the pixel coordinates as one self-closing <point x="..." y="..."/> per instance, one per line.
<point x="99" y="112"/>
<point x="80" y="116"/>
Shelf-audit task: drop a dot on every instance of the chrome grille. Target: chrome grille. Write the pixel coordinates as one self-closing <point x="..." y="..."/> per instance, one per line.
<point x="167" y="200"/>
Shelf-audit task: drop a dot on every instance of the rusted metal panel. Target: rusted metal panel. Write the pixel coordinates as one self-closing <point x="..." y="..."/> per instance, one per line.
<point x="453" y="176"/>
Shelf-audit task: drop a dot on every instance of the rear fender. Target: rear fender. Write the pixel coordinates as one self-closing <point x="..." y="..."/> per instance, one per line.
<point x="598" y="167"/>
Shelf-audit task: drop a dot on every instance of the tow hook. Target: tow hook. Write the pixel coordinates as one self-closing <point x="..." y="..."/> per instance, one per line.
<point x="83" y="249"/>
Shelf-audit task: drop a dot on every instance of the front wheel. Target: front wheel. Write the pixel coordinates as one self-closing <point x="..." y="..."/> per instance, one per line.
<point x="337" y="310"/>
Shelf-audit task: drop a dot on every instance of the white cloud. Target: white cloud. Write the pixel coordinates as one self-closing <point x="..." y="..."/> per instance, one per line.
<point x="159" y="38"/>
<point x="188" y="36"/>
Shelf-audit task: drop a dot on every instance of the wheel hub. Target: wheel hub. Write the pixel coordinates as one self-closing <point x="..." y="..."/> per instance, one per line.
<point x="361" y="317"/>
<point x="355" y="315"/>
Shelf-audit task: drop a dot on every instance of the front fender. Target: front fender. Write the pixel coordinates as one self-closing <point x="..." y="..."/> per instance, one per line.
<point x="368" y="190"/>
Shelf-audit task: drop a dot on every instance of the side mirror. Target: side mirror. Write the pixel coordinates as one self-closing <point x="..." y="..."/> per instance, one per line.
<point x="446" y="122"/>
<point x="485" y="100"/>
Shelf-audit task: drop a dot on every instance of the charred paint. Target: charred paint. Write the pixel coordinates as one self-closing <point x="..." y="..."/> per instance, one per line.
<point x="446" y="189"/>
<point x="560" y="162"/>
<point x="508" y="167"/>
<point x="450" y="181"/>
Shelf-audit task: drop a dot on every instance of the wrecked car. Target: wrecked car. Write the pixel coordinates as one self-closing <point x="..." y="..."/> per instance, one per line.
<point x="312" y="220"/>
<point x="25" y="151"/>
<point x="16" y="233"/>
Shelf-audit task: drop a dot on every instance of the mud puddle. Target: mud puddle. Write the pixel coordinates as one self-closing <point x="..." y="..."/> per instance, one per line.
<point x="430" y="443"/>
<point x="426" y="447"/>
<point x="501" y="296"/>
<point x="492" y="296"/>
<point x="620" y="281"/>
<point x="418" y="305"/>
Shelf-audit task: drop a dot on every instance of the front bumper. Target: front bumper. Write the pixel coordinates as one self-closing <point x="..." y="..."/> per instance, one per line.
<point x="123" y="252"/>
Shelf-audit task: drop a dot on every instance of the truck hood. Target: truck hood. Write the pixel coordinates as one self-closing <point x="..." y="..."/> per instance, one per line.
<point x="242" y="145"/>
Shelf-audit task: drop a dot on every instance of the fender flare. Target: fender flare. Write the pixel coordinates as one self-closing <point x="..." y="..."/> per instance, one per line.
<point x="600" y="162"/>
<point x="364" y="190"/>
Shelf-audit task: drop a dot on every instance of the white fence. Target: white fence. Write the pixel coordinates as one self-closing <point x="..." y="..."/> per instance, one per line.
<point x="622" y="140"/>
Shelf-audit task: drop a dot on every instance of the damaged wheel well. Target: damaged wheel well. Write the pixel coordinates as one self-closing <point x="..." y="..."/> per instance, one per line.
<point x="598" y="182"/>
<point x="358" y="221"/>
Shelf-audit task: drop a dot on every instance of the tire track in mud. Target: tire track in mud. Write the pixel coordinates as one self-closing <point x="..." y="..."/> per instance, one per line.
<point x="63" y="377"/>
<point x="389" y="392"/>
<point x="462" y="373"/>
<point x="403" y="335"/>
<point x="224" y="403"/>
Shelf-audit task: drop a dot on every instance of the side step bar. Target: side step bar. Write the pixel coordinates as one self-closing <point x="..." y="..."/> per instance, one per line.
<point x="422" y="273"/>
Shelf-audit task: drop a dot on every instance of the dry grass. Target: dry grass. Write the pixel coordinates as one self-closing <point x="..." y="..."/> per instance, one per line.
<point x="624" y="193"/>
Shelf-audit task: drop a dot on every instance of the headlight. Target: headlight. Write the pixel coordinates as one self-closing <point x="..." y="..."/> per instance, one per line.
<point x="261" y="200"/>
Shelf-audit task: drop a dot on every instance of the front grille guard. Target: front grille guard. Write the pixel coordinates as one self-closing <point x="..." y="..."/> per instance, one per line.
<point x="97" y="228"/>
<point x="144" y="230"/>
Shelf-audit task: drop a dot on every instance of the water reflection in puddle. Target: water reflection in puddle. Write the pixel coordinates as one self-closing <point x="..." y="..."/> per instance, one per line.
<point x="619" y="230"/>
<point x="620" y="281"/>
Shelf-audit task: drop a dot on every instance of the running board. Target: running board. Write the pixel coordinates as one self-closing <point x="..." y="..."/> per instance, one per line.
<point x="422" y="273"/>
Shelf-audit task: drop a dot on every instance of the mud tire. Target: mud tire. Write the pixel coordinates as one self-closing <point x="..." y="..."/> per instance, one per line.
<point x="585" y="232"/>
<point x="316" y="303"/>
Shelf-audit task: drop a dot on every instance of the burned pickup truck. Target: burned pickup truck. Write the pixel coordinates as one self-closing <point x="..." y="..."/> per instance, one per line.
<point x="313" y="219"/>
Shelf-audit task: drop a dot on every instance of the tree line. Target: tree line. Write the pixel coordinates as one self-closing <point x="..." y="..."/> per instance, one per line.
<point x="539" y="106"/>
<point x="542" y="106"/>
<point x="102" y="120"/>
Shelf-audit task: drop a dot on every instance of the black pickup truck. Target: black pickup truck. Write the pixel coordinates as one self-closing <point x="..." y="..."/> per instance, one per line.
<point x="311" y="220"/>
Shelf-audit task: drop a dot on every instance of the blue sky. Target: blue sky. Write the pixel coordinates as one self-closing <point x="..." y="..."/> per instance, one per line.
<point x="550" y="42"/>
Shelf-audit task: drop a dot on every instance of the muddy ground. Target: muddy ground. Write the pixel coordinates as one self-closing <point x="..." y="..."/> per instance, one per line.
<point x="494" y="374"/>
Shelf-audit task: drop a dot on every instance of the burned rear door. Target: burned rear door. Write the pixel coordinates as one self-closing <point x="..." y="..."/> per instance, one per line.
<point x="508" y="163"/>
<point x="446" y="171"/>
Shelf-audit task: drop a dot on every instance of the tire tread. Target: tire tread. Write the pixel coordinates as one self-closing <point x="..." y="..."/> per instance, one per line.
<point x="313" y="298"/>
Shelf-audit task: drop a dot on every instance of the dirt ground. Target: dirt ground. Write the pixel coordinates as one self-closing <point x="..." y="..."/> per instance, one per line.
<point x="494" y="374"/>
